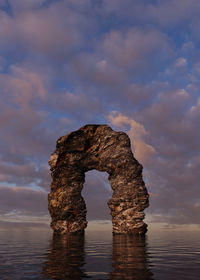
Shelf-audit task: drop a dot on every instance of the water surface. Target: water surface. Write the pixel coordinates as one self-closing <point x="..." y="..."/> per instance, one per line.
<point x="34" y="253"/>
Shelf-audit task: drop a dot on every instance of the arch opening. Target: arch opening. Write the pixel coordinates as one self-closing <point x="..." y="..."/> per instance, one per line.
<point x="96" y="193"/>
<point x="96" y="147"/>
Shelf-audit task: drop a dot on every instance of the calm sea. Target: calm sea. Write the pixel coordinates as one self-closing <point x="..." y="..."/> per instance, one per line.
<point x="34" y="253"/>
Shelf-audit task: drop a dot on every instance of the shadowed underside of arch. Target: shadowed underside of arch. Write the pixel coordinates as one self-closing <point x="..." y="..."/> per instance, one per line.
<point x="101" y="148"/>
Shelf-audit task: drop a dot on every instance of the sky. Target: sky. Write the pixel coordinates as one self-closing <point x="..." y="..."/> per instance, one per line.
<point x="131" y="64"/>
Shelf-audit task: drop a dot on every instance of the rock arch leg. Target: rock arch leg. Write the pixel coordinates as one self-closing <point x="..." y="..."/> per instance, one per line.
<point x="96" y="147"/>
<point x="66" y="205"/>
<point x="127" y="204"/>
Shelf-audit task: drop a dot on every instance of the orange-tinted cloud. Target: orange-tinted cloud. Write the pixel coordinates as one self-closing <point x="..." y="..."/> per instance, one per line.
<point x="142" y="151"/>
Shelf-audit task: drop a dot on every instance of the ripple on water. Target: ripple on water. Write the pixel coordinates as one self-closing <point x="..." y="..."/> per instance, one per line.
<point x="38" y="255"/>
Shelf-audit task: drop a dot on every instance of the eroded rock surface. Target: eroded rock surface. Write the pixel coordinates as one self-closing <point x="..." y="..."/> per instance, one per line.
<point x="96" y="147"/>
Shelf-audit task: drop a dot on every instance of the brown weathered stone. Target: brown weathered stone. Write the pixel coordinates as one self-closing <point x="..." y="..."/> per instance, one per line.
<point x="96" y="147"/>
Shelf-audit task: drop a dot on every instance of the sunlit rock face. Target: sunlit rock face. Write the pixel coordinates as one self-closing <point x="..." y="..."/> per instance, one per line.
<point x="101" y="148"/>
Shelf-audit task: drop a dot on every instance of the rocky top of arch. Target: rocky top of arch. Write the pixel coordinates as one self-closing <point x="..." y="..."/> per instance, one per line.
<point x="101" y="148"/>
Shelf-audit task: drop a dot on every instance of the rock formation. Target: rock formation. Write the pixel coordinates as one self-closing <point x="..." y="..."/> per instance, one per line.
<point x="96" y="147"/>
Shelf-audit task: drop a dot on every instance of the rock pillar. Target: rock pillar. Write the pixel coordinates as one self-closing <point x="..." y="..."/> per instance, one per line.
<point x="101" y="148"/>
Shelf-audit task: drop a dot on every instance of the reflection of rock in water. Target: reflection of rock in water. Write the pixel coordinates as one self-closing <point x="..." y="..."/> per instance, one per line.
<point x="130" y="261"/>
<point x="66" y="258"/>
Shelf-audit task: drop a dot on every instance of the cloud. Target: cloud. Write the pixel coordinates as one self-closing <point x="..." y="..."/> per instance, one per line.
<point x="168" y="120"/>
<point x="23" y="5"/>
<point x="140" y="95"/>
<point x="79" y="105"/>
<point x="53" y="30"/>
<point x="25" y="174"/>
<point x="194" y="111"/>
<point x="165" y="13"/>
<point x="172" y="177"/>
<point x="142" y="151"/>
<point x="67" y="63"/>
<point x="23" y="135"/>
<point x="120" y="55"/>
<point x="180" y="62"/>
<point x="22" y="201"/>
<point x="135" y="47"/>
<point x="21" y="86"/>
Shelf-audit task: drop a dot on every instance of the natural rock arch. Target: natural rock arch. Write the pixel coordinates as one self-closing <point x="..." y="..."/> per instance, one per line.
<point x="101" y="148"/>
